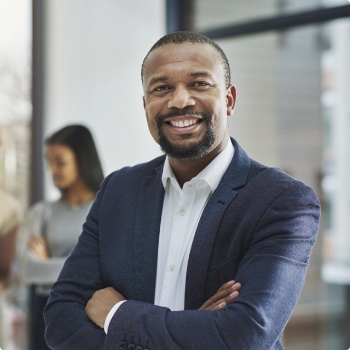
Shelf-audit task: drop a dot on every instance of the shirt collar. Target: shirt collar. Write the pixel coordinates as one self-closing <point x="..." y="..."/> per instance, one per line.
<point x="211" y="174"/>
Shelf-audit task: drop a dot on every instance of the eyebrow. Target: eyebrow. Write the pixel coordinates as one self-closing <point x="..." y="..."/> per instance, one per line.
<point x="158" y="79"/>
<point x="164" y="78"/>
<point x="200" y="74"/>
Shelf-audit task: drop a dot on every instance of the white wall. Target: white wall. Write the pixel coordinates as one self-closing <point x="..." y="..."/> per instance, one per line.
<point x="15" y="33"/>
<point x="94" y="51"/>
<point x="15" y="57"/>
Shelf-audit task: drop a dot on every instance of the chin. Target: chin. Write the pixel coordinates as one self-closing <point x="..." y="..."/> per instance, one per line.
<point x="185" y="152"/>
<point x="61" y="187"/>
<point x="188" y="149"/>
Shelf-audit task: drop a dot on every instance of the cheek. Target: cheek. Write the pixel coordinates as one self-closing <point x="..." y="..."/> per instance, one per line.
<point x="151" y="111"/>
<point x="151" y="120"/>
<point x="220" y="119"/>
<point x="74" y="172"/>
<point x="70" y="172"/>
<point x="154" y="107"/>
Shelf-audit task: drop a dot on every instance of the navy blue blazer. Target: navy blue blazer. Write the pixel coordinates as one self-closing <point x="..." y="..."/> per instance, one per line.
<point x="258" y="228"/>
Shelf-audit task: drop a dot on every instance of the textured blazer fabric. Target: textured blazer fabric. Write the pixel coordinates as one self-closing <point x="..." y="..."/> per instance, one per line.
<point x="258" y="228"/>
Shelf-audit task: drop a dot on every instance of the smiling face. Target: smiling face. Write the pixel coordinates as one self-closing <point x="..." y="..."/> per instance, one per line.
<point x="186" y="100"/>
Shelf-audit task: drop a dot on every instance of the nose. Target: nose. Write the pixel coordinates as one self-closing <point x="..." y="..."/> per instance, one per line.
<point x="181" y="98"/>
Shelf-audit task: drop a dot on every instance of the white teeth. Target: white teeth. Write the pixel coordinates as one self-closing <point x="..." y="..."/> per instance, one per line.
<point x="183" y="123"/>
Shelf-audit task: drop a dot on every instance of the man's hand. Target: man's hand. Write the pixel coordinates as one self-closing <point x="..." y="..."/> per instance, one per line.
<point x="103" y="300"/>
<point x="226" y="293"/>
<point x="101" y="303"/>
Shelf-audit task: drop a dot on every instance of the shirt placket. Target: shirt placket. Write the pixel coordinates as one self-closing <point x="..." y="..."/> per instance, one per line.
<point x="177" y="247"/>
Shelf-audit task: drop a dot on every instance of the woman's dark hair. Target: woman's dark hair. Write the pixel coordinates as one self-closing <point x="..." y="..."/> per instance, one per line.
<point x="79" y="139"/>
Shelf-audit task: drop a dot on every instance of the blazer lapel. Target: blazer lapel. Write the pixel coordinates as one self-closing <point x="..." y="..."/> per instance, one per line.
<point x="149" y="212"/>
<point x="202" y="246"/>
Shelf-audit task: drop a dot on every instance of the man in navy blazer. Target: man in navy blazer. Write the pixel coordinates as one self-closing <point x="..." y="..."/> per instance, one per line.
<point x="257" y="227"/>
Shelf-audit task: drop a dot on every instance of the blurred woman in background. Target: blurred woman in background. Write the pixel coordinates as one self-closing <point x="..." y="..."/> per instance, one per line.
<point x="10" y="217"/>
<point x="53" y="227"/>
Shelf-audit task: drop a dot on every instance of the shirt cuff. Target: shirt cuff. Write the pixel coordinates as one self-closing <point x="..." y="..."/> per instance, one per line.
<point x="111" y="314"/>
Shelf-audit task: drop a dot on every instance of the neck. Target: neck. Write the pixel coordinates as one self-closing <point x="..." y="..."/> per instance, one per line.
<point x="187" y="169"/>
<point x="78" y="194"/>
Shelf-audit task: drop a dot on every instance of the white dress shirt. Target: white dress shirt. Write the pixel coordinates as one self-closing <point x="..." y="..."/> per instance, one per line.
<point x="182" y="209"/>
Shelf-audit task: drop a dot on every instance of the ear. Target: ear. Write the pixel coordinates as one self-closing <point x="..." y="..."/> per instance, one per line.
<point x="230" y="99"/>
<point x="144" y="102"/>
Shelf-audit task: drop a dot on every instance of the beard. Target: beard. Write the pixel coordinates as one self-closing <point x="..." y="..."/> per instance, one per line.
<point x="193" y="151"/>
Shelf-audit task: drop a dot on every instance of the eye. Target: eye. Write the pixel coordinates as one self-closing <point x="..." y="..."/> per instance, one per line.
<point x="161" y="88"/>
<point x="201" y="84"/>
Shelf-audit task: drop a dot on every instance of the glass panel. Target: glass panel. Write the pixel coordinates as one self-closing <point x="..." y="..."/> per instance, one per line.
<point x="15" y="118"/>
<point x="212" y="14"/>
<point x="15" y="99"/>
<point x="293" y="112"/>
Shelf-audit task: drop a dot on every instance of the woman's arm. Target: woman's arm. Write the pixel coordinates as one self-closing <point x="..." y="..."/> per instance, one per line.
<point x="7" y="254"/>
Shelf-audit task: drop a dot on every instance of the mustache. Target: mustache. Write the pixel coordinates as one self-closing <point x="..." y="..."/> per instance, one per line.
<point x="160" y="118"/>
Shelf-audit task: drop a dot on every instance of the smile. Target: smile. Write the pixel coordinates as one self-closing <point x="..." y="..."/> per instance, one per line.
<point x="182" y="123"/>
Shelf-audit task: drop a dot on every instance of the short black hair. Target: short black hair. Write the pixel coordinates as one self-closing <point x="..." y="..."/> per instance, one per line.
<point x="79" y="139"/>
<point x="191" y="37"/>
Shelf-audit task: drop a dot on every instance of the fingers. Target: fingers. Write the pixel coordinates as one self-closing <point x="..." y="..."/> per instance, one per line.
<point x="37" y="245"/>
<point x="225" y="291"/>
<point x="226" y="285"/>
<point x="225" y="294"/>
<point x="35" y="239"/>
<point x="222" y="292"/>
<point x="32" y="243"/>
<point x="220" y="304"/>
<point x="227" y="288"/>
<point x="227" y="298"/>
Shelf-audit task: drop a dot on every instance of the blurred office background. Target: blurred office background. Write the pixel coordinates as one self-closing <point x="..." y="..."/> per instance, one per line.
<point x="64" y="62"/>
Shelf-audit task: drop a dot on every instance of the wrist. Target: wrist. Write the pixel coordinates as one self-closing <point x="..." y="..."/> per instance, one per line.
<point x="110" y="315"/>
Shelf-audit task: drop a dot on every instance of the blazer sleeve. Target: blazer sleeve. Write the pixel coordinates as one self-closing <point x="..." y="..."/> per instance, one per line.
<point x="272" y="274"/>
<point x="67" y="326"/>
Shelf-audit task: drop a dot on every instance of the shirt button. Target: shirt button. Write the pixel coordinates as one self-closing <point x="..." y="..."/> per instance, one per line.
<point x="172" y="267"/>
<point x="182" y="212"/>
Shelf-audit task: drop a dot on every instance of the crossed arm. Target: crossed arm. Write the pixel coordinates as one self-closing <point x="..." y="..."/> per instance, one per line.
<point x="271" y="272"/>
<point x="104" y="299"/>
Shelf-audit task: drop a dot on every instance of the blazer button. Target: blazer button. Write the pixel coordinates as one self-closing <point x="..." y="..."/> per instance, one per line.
<point x="138" y="347"/>
<point x="123" y="345"/>
<point x="131" y="347"/>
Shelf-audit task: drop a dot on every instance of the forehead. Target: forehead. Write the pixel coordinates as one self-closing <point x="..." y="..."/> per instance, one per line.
<point x="185" y="56"/>
<point x="59" y="150"/>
